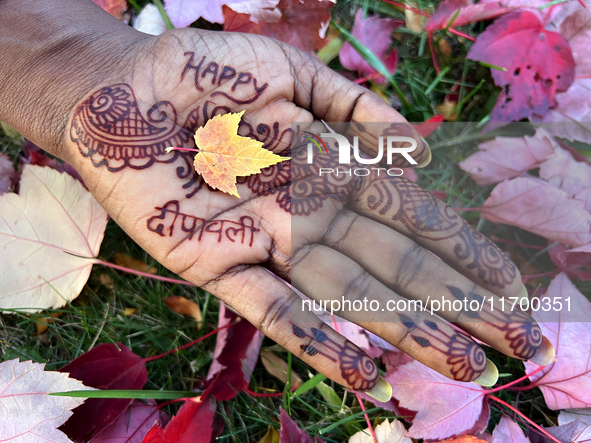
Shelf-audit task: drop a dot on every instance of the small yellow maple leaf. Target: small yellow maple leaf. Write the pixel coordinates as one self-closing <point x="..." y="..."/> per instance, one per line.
<point x="224" y="155"/>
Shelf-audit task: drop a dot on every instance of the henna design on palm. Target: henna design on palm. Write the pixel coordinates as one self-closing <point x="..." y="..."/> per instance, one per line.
<point x="109" y="128"/>
<point x="357" y="369"/>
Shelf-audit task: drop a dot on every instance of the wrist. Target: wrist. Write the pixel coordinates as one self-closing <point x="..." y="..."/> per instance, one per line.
<point x="49" y="61"/>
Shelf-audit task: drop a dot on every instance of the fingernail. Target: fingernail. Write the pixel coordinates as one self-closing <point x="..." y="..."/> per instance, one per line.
<point x="545" y="354"/>
<point x="382" y="391"/>
<point x="427" y="159"/>
<point x="490" y="375"/>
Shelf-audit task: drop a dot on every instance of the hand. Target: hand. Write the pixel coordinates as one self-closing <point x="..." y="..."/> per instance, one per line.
<point x="333" y="238"/>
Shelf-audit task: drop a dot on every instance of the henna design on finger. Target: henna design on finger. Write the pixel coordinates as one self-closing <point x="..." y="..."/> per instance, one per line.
<point x="110" y="130"/>
<point x="466" y="359"/>
<point x="424" y="217"/>
<point x="197" y="227"/>
<point x="521" y="331"/>
<point x="360" y="372"/>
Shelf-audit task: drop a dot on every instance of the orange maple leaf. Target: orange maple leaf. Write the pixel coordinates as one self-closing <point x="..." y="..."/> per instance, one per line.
<point x="224" y="155"/>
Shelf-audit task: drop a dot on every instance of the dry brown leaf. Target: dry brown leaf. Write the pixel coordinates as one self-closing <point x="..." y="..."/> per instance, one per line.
<point x="277" y="367"/>
<point x="133" y="263"/>
<point x="414" y="21"/>
<point x="43" y="323"/>
<point x="184" y="306"/>
<point x="106" y="280"/>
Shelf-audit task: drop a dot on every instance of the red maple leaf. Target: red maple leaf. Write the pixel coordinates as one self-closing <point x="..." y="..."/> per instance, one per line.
<point x="103" y="367"/>
<point x="537" y="64"/>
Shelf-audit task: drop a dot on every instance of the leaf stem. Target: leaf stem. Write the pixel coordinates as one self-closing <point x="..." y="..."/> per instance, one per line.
<point x="143" y="274"/>
<point x="203" y="337"/>
<point x="369" y="426"/>
<point x="537" y="427"/>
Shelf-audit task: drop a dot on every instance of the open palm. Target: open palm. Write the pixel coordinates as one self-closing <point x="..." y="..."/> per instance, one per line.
<point x="338" y="238"/>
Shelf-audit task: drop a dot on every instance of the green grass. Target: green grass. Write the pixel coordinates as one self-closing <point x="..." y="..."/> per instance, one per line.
<point x="98" y="314"/>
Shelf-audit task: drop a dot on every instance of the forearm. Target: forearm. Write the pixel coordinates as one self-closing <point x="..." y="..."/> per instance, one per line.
<point x="52" y="53"/>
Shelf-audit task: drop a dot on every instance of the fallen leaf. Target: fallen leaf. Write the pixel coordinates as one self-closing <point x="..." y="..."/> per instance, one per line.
<point x="567" y="382"/>
<point x="150" y="21"/>
<point x="374" y="33"/>
<point x="184" y="306"/>
<point x="464" y="439"/>
<point x="539" y="207"/>
<point x="290" y="433"/>
<point x="581" y="418"/>
<point x="43" y="323"/>
<point x="272" y="436"/>
<point x="538" y="63"/>
<point x="468" y="13"/>
<point x="128" y="261"/>
<point x="7" y="174"/>
<point x="103" y="367"/>
<point x="278" y="368"/>
<point x="564" y="172"/>
<point x="133" y="424"/>
<point x="193" y="423"/>
<point x="45" y="233"/>
<point x="507" y="431"/>
<point x="445" y="407"/>
<point x="385" y="432"/>
<point x="508" y="157"/>
<point x="235" y="355"/>
<point x="129" y="311"/>
<point x="184" y="12"/>
<point x="224" y="155"/>
<point x="106" y="280"/>
<point x="26" y="411"/>
<point x="576" y="263"/>
<point x="413" y="21"/>
<point x="114" y="7"/>
<point x="302" y="24"/>
<point x="448" y="109"/>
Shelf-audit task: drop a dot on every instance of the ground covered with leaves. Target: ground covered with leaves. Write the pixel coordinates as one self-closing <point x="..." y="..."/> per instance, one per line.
<point x="467" y="69"/>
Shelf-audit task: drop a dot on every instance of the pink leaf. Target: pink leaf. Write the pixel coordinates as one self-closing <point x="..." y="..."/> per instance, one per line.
<point x="506" y="157"/>
<point x="576" y="262"/>
<point x="445" y="407"/>
<point x="581" y="419"/>
<point x="537" y="64"/>
<point x="302" y="24"/>
<point x="192" y="424"/>
<point x="564" y="172"/>
<point x="133" y="424"/>
<point x="573" y="113"/>
<point x="469" y="13"/>
<point x="374" y="32"/>
<point x="540" y="208"/>
<point x="290" y="433"/>
<point x="7" y="174"/>
<point x="27" y="413"/>
<point x="566" y="383"/>
<point x="103" y="367"/>
<point x="235" y="355"/>
<point x="507" y="431"/>
<point x="184" y="12"/>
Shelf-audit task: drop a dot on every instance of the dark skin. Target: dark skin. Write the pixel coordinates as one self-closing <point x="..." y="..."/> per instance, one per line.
<point x="109" y="100"/>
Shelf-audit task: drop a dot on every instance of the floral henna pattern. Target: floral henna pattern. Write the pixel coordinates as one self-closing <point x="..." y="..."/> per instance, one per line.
<point x="425" y="218"/>
<point x="521" y="332"/>
<point x="466" y="359"/>
<point x="357" y="369"/>
<point x="109" y="128"/>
